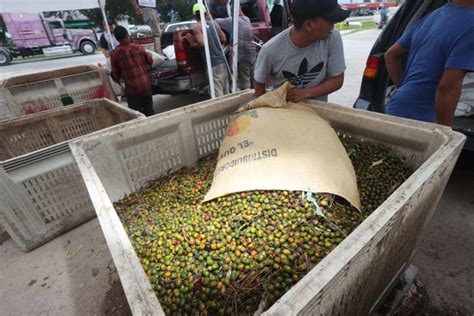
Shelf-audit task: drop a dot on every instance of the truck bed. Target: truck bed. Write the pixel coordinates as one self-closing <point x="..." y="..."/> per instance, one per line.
<point x="185" y="72"/>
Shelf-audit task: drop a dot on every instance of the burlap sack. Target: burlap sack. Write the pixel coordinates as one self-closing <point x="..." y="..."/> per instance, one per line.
<point x="273" y="145"/>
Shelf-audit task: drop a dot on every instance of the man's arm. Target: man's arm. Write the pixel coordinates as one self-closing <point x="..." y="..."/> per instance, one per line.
<point x="324" y="88"/>
<point x="147" y="55"/>
<point x="136" y="7"/>
<point x="116" y="72"/>
<point x="222" y="37"/>
<point x="260" y="88"/>
<point x="262" y="71"/>
<point x="447" y="95"/>
<point x="196" y="39"/>
<point x="393" y="61"/>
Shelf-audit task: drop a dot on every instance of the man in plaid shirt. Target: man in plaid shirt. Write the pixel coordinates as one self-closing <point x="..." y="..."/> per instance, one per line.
<point x="130" y="63"/>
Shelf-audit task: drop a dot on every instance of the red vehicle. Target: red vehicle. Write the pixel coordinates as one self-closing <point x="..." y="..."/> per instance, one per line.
<point x="188" y="71"/>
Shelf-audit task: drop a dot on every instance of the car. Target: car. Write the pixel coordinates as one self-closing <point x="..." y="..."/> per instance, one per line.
<point x="179" y="26"/>
<point x="361" y="12"/>
<point x="377" y="87"/>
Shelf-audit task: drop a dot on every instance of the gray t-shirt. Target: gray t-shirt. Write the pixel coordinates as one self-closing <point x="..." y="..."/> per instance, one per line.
<point x="280" y="60"/>
<point x="247" y="51"/>
<point x="215" y="48"/>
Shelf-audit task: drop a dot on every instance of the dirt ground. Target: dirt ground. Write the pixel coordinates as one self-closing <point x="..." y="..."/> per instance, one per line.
<point x="74" y="274"/>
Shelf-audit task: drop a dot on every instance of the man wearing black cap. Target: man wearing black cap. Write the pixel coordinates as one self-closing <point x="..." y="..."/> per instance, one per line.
<point x="309" y="55"/>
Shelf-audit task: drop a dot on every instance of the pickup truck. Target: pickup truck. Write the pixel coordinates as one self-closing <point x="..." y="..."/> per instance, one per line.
<point x="28" y="34"/>
<point x="187" y="71"/>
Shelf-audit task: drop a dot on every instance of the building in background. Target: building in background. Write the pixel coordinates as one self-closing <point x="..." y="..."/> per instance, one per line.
<point x="367" y="8"/>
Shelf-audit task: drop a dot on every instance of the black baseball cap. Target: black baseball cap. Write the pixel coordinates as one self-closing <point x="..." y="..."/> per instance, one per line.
<point x="329" y="10"/>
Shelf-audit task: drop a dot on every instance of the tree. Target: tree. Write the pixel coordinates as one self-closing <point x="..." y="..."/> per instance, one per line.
<point x="113" y="9"/>
<point x="184" y="8"/>
<point x="117" y="8"/>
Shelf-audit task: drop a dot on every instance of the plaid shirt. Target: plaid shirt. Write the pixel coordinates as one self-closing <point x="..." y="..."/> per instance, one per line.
<point x="129" y="63"/>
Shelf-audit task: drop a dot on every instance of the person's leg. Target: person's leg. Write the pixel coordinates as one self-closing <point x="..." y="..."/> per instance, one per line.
<point x="241" y="75"/>
<point x="225" y="80"/>
<point x="252" y="68"/>
<point x="134" y="102"/>
<point x="142" y="104"/>
<point x="244" y="74"/>
<point x="148" y="105"/>
<point x="218" y="80"/>
<point x="151" y="18"/>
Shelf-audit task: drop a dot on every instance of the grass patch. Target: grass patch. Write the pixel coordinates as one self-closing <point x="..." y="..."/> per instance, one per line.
<point x="355" y="25"/>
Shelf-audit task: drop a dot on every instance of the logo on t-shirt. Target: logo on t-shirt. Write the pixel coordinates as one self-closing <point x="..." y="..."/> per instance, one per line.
<point x="304" y="76"/>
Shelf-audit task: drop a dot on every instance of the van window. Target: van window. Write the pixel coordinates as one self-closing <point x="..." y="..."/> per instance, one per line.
<point x="55" y="25"/>
<point x="3" y="30"/>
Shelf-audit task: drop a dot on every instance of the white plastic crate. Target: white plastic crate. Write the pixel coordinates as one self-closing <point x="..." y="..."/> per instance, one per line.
<point x="354" y="276"/>
<point x="4" y="110"/>
<point x="42" y="91"/>
<point x="42" y="193"/>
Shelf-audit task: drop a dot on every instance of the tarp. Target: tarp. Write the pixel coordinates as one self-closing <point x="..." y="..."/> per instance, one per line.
<point x="36" y="6"/>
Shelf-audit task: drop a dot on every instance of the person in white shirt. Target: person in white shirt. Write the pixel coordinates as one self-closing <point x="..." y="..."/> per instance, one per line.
<point x="147" y="11"/>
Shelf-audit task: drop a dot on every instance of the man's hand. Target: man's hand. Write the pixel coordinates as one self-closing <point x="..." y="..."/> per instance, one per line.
<point x="260" y="88"/>
<point x="137" y="8"/>
<point x="190" y="38"/>
<point x="297" y="95"/>
<point x="324" y="88"/>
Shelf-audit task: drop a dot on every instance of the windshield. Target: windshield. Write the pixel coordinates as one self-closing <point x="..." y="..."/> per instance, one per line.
<point x="180" y="27"/>
<point x="4" y="36"/>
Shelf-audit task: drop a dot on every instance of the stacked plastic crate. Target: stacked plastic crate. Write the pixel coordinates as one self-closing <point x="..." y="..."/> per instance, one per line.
<point x="42" y="193"/>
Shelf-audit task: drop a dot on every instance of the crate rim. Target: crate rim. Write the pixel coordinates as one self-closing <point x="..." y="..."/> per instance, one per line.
<point x="5" y="84"/>
<point x="58" y="111"/>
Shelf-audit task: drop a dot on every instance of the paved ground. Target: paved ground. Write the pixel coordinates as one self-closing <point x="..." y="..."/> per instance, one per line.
<point x="356" y="48"/>
<point x="74" y="274"/>
<point x="71" y="275"/>
<point x="24" y="68"/>
<point x="445" y="257"/>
